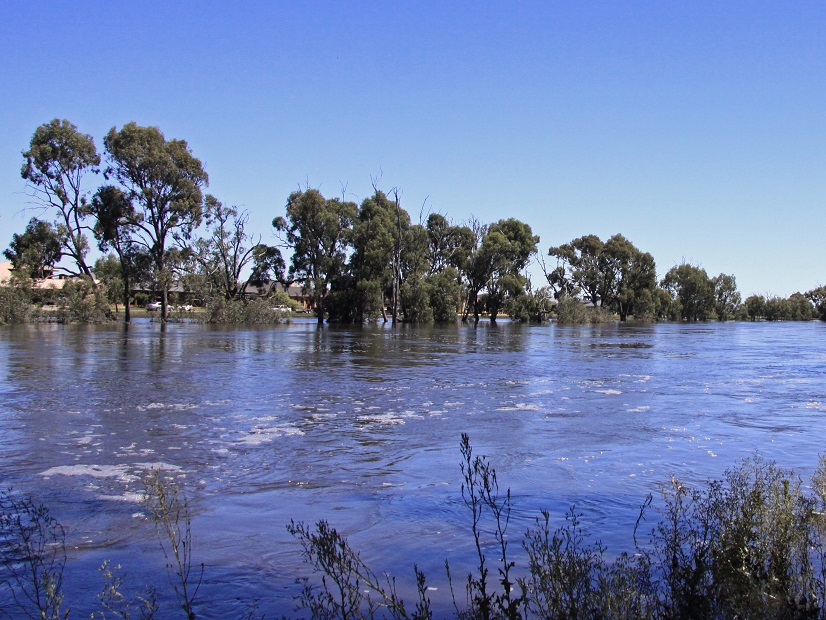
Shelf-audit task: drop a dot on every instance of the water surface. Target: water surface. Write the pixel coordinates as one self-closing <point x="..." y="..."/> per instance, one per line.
<point x="361" y="426"/>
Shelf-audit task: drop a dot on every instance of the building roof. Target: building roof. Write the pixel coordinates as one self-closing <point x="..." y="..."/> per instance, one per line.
<point x="7" y="270"/>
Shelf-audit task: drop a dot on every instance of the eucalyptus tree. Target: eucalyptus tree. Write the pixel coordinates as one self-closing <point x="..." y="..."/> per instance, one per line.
<point x="726" y="297"/>
<point x="581" y="265"/>
<point x="614" y="273"/>
<point x="35" y="252"/>
<point x="818" y="298"/>
<point x="629" y="277"/>
<point x="509" y="245"/>
<point x="691" y="291"/>
<point x="114" y="211"/>
<point x="477" y="270"/>
<point x="229" y="250"/>
<point x="58" y="159"/>
<point x="319" y="232"/>
<point x="375" y="229"/>
<point x="164" y="180"/>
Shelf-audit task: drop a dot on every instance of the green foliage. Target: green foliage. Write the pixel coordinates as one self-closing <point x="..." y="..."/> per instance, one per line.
<point x="163" y="180"/>
<point x="445" y="293"/>
<point x="347" y="583"/>
<point x="568" y="577"/>
<point x="726" y="297"/>
<point x="691" y="290"/>
<point x="319" y="232"/>
<point x="755" y="307"/>
<point x="115" y="602"/>
<point x="79" y="302"/>
<point x="254" y="312"/>
<point x="108" y="272"/>
<point x="748" y="546"/>
<point x="16" y="302"/>
<point x="414" y="299"/>
<point x="614" y="274"/>
<point x="58" y="158"/>
<point x="818" y="298"/>
<point x="797" y="307"/>
<point x="571" y="311"/>
<point x="531" y="306"/>
<point x="35" y="252"/>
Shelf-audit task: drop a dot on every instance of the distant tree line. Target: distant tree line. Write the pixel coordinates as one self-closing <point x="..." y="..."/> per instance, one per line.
<point x="355" y="262"/>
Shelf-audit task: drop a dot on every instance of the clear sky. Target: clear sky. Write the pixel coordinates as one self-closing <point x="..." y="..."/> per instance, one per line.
<point x="696" y="129"/>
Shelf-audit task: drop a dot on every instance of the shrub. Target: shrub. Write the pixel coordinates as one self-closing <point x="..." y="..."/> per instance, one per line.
<point x="257" y="311"/>
<point x="80" y="303"/>
<point x="16" y="302"/>
<point x="571" y="311"/>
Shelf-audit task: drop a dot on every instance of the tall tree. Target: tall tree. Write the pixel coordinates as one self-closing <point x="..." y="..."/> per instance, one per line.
<point x="509" y="244"/>
<point x="691" y="290"/>
<point x="629" y="276"/>
<point x="319" y="231"/>
<point x="374" y="242"/>
<point x="58" y="159"/>
<point x="164" y="180"/>
<point x="581" y="260"/>
<point x="726" y="297"/>
<point x="35" y="252"/>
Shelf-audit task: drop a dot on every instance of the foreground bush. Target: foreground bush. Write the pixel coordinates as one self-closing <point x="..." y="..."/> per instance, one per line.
<point x="750" y="545"/>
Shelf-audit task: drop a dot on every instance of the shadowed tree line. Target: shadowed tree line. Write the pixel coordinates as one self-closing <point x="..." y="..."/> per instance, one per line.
<point x="354" y="262"/>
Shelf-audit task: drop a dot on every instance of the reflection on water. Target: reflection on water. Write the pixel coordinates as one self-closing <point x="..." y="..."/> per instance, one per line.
<point x="362" y="426"/>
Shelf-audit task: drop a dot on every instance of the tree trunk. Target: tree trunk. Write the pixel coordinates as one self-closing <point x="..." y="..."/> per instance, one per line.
<point x="126" y="294"/>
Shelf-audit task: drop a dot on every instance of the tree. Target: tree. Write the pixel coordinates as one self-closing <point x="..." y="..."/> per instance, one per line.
<point x="445" y="294"/>
<point x="726" y="297"/>
<point x="580" y="262"/>
<point x="113" y="211"/>
<point x="691" y="289"/>
<point x="375" y="229"/>
<point x="164" y="180"/>
<point x="228" y="250"/>
<point x="755" y="307"/>
<point x="818" y="298"/>
<point x="35" y="251"/>
<point x="318" y="230"/>
<point x="509" y="245"/>
<point x="613" y="274"/>
<point x="629" y="277"/>
<point x="801" y="308"/>
<point x="58" y="158"/>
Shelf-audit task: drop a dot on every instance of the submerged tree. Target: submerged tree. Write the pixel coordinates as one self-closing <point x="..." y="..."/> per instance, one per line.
<point x="318" y="230"/>
<point x="726" y="297"/>
<point x="164" y="180"/>
<point x="691" y="291"/>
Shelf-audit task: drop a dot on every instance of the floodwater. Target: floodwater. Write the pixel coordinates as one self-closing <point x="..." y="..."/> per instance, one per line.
<point x="361" y="426"/>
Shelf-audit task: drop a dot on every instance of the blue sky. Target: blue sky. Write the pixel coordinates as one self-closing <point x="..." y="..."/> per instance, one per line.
<point x="697" y="130"/>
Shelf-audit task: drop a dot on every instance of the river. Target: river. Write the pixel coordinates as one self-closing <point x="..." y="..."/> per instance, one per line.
<point x="361" y="426"/>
